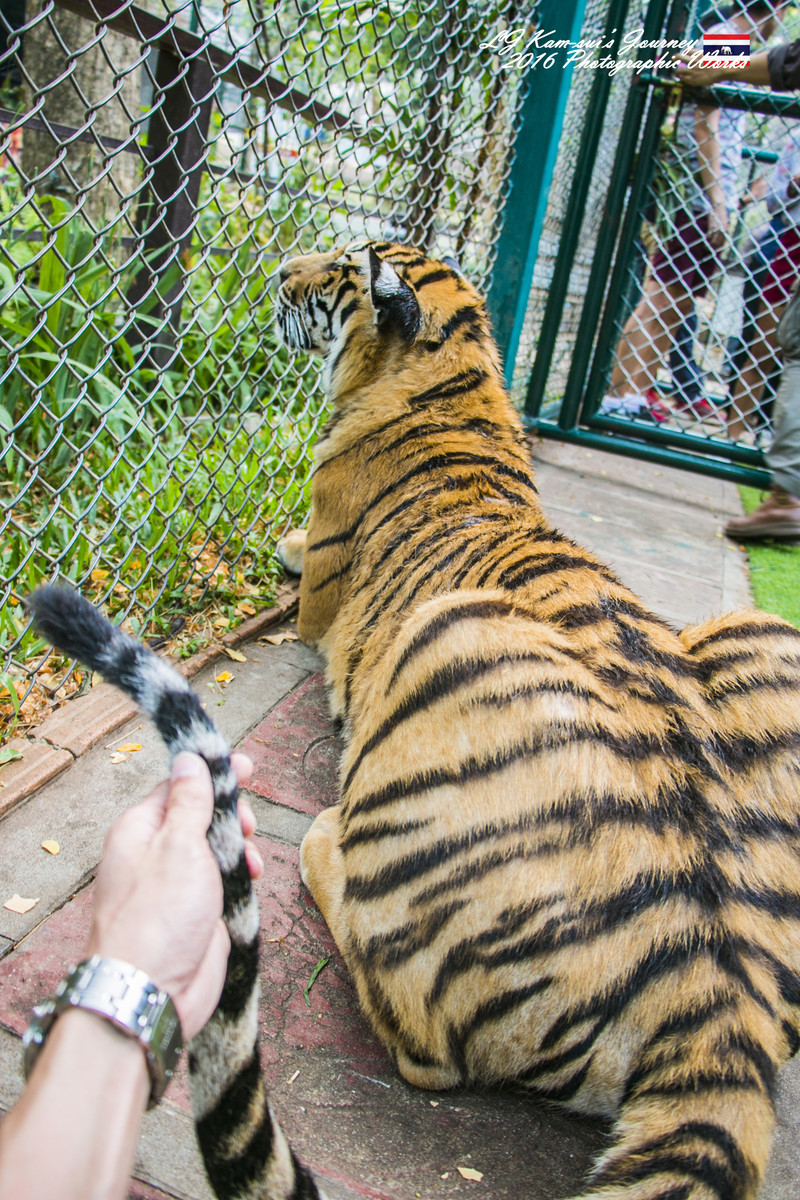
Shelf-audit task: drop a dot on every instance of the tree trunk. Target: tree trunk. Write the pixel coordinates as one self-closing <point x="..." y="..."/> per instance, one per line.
<point x="93" y="97"/>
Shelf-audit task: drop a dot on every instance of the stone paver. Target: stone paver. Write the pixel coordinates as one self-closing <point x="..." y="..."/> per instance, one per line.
<point x="365" y="1132"/>
<point x="296" y="750"/>
<point x="660" y="529"/>
<point x="85" y="721"/>
<point x="21" y="777"/>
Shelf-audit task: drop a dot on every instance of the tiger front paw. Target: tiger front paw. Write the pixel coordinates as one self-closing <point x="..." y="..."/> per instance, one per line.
<point x="289" y="551"/>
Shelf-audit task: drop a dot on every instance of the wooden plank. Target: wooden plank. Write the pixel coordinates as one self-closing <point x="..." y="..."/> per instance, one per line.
<point x="144" y="27"/>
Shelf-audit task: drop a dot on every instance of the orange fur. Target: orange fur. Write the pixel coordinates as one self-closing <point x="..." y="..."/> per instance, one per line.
<point x="567" y="847"/>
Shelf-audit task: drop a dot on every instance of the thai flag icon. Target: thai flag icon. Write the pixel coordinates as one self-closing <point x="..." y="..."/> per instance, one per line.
<point x="729" y="47"/>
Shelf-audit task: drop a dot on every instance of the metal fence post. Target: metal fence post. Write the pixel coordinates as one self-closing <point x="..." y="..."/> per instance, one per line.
<point x="177" y="146"/>
<point x="585" y="167"/>
<point x="535" y="150"/>
<point x="631" y="174"/>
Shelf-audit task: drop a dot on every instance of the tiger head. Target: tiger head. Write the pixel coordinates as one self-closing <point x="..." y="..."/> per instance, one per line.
<point x="374" y="301"/>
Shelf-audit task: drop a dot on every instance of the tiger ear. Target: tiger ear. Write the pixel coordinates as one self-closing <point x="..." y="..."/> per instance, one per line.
<point x="453" y="264"/>
<point x="395" y="303"/>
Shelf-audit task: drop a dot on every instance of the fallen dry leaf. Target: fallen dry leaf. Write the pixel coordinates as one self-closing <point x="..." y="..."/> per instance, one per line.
<point x="275" y="639"/>
<point x="117" y="757"/>
<point x="236" y="655"/>
<point x="18" y="904"/>
<point x="468" y="1173"/>
<point x="129" y="747"/>
<point x="223" y="677"/>
<point x="247" y="608"/>
<point x="51" y="847"/>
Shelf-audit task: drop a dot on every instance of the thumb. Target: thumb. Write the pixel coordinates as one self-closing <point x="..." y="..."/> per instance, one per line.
<point x="190" y="790"/>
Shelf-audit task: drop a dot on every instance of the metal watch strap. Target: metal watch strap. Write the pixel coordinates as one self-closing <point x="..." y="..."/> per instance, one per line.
<point x="128" y="999"/>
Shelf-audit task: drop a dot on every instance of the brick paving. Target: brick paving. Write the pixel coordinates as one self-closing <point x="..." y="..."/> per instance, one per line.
<point x="365" y="1132"/>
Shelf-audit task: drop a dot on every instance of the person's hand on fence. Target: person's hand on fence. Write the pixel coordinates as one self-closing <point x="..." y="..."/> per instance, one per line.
<point x="158" y="901"/>
<point x="717" y="226"/>
<point x="699" y="77"/>
<point x="756" y="71"/>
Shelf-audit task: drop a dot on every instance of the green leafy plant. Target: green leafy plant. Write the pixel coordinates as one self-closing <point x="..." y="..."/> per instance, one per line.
<point x="774" y="569"/>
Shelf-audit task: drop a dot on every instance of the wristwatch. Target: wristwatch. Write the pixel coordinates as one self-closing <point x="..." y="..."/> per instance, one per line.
<point x="128" y="999"/>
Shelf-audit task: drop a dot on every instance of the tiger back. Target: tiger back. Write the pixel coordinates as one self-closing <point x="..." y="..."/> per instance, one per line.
<point x="566" y="853"/>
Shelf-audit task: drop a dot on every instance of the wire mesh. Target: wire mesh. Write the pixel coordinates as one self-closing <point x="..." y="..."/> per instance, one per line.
<point x="576" y="115"/>
<point x="155" y="164"/>
<point x="692" y="361"/>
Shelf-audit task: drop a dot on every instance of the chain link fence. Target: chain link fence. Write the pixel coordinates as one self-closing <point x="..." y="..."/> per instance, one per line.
<point x="547" y="259"/>
<point x="156" y="162"/>
<point x="696" y="347"/>
<point x="672" y="343"/>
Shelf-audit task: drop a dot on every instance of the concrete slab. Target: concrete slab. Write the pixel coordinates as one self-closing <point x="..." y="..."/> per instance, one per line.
<point x="78" y="807"/>
<point x="659" y="528"/>
<point x="40" y="763"/>
<point x="621" y="473"/>
<point x="276" y="821"/>
<point x="295" y="752"/>
<point x="85" y="721"/>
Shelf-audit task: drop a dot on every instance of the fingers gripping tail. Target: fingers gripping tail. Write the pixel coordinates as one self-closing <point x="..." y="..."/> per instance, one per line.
<point x="245" y="1152"/>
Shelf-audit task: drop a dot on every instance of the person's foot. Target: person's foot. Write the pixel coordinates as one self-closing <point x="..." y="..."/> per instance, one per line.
<point x="777" y="517"/>
<point x="633" y="404"/>
<point x="698" y="408"/>
<point x="657" y="410"/>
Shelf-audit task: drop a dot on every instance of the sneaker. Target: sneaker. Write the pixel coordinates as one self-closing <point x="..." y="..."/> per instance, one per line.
<point x="777" y="517"/>
<point x="658" y="411"/>
<point x="632" y="404"/>
<point x="698" y="408"/>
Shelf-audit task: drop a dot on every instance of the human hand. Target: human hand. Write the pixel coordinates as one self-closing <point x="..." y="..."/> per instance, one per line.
<point x="700" y="77"/>
<point x="717" y="226"/>
<point x="158" y="900"/>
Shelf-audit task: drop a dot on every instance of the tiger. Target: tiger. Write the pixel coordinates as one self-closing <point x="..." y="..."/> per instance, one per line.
<point x="567" y="842"/>
<point x="567" y="850"/>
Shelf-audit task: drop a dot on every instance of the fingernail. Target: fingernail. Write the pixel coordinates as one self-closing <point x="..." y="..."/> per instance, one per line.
<point x="188" y="766"/>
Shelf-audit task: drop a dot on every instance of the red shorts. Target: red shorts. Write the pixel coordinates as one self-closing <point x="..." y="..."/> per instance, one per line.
<point x="686" y="260"/>
<point x="783" y="270"/>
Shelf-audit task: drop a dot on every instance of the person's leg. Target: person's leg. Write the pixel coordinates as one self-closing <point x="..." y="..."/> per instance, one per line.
<point x="680" y="270"/>
<point x="687" y="378"/>
<point x="779" y="515"/>
<point x="760" y="361"/>
<point x="783" y="456"/>
<point x="648" y="336"/>
<point x="779" y="279"/>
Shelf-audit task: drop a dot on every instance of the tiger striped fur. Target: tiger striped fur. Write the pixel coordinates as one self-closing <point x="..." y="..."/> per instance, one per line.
<point x="567" y="852"/>
<point x="245" y="1153"/>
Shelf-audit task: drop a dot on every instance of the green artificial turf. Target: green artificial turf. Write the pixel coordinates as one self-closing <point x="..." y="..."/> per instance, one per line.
<point x="774" y="568"/>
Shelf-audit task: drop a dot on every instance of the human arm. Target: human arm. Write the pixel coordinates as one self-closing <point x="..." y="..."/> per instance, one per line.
<point x="756" y="72"/>
<point x="706" y="126"/>
<point x="158" y="905"/>
<point x="778" y="68"/>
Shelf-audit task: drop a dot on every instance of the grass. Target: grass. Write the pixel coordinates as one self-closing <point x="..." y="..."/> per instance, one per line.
<point x="774" y="569"/>
<point x="159" y="495"/>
